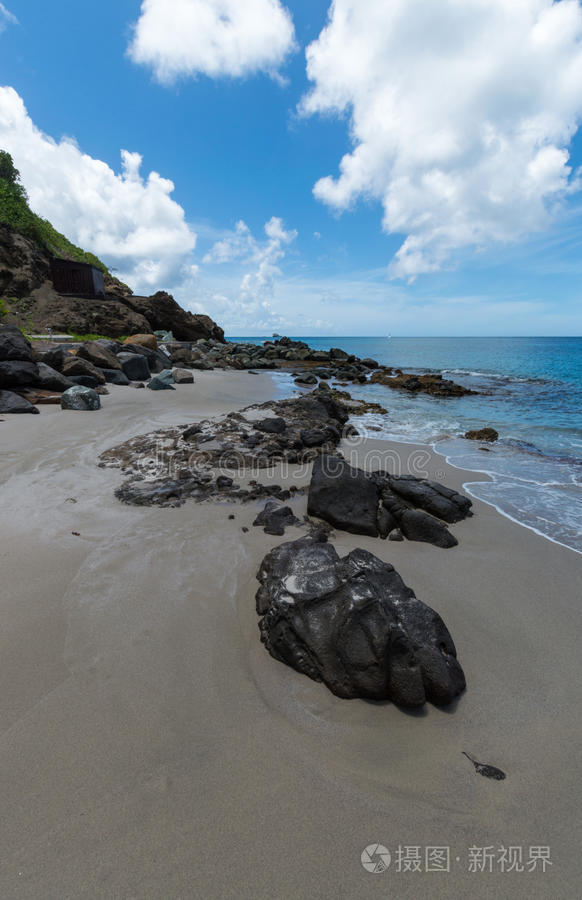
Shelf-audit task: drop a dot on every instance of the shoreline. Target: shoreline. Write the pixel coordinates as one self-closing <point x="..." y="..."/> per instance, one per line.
<point x="433" y="445"/>
<point x="146" y="729"/>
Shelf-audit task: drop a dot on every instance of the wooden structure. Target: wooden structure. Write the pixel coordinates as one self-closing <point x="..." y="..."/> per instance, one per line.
<point x="77" y="279"/>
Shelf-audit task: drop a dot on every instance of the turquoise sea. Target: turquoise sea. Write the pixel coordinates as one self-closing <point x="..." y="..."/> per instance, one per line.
<point x="530" y="391"/>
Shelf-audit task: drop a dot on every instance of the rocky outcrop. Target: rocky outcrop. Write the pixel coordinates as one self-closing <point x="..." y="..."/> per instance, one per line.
<point x="353" y="624"/>
<point x="435" y="385"/>
<point x="164" y="314"/>
<point x="378" y="503"/>
<point x="190" y="459"/>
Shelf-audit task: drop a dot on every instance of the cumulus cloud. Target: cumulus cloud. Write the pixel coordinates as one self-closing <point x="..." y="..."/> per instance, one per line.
<point x="6" y="18"/>
<point x="128" y="220"/>
<point x="212" y="37"/>
<point x="250" y="304"/>
<point x="460" y="113"/>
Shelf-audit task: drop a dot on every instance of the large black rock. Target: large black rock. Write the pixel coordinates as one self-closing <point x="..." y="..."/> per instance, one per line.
<point x="352" y="623"/>
<point x="376" y="503"/>
<point x="345" y="497"/>
<point x="17" y="372"/>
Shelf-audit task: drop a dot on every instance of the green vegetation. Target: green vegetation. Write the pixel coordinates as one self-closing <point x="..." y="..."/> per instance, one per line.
<point x="82" y="338"/>
<point x="3" y="309"/>
<point x="15" y="211"/>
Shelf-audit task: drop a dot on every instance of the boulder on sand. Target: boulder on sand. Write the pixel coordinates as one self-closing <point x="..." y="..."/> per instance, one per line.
<point x="99" y="355"/>
<point x="51" y="380"/>
<point x="274" y="518"/>
<point x="13" y="403"/>
<point x="80" y="398"/>
<point x="162" y="382"/>
<point x="345" y="497"/>
<point x="352" y="623"/>
<point x="182" y="376"/>
<point x="377" y="503"/>
<point x="134" y="366"/>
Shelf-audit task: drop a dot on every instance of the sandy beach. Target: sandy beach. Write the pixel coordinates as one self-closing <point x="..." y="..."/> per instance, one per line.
<point x="152" y="748"/>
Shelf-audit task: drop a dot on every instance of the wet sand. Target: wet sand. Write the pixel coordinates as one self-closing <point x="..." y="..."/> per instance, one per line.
<point x="151" y="748"/>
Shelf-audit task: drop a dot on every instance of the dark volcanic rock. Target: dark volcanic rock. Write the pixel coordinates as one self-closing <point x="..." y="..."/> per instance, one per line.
<point x="345" y="497"/>
<point x="428" y="384"/>
<point x="417" y="525"/>
<point x="17" y="372"/>
<point x="85" y="381"/>
<point x="17" y="364"/>
<point x="276" y="425"/>
<point x="377" y="503"/>
<point x="275" y="518"/>
<point x="432" y="497"/>
<point x="51" y="380"/>
<point x="55" y="358"/>
<point x="353" y="624"/>
<point x="13" y="344"/>
<point x="13" y="403"/>
<point x="134" y="366"/>
<point x="306" y="379"/>
<point x="115" y="376"/>
<point x="482" y="434"/>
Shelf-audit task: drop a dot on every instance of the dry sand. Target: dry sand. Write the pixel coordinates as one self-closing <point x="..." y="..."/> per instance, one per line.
<point x="151" y="748"/>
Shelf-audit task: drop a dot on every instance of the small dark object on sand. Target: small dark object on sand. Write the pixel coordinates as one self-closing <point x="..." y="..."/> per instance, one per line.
<point x="76" y="533"/>
<point x="487" y="771"/>
<point x="231" y="516"/>
<point x="245" y="529"/>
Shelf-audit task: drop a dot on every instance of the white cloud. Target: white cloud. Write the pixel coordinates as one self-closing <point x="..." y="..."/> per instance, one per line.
<point x="6" y="18"/>
<point x="131" y="222"/>
<point x="212" y="37"/>
<point x="248" y="302"/>
<point x="460" y="112"/>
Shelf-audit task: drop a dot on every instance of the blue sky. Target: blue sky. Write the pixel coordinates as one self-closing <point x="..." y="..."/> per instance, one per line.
<point x="457" y="147"/>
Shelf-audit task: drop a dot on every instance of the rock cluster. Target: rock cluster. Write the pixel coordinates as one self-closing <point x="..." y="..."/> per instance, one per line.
<point x="18" y="369"/>
<point x="379" y="504"/>
<point x="168" y="466"/>
<point x="353" y="624"/>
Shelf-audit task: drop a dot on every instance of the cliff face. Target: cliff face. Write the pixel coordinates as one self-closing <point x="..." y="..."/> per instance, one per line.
<point x="31" y="302"/>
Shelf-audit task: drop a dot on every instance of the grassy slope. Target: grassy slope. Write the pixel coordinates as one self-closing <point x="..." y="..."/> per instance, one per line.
<point x="15" y="211"/>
